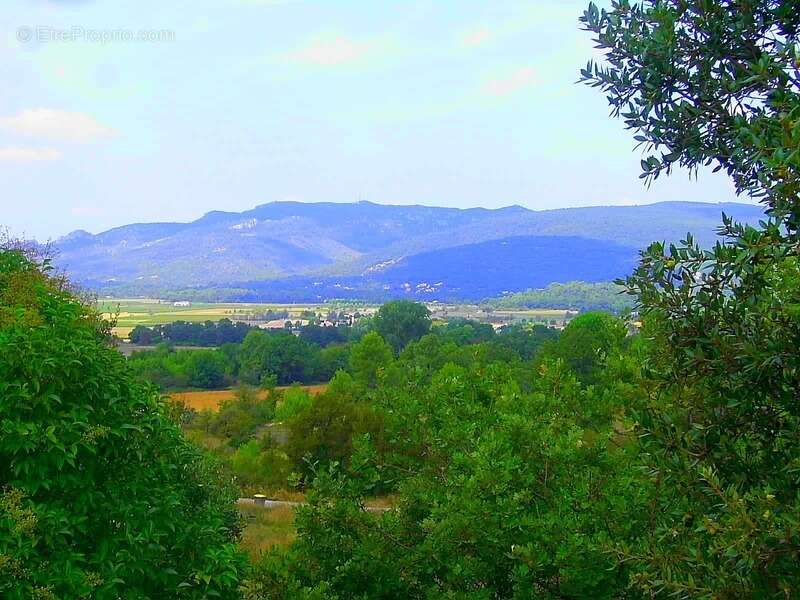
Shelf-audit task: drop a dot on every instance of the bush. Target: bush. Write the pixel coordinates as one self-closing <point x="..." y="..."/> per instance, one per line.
<point x="100" y="495"/>
<point x="294" y="401"/>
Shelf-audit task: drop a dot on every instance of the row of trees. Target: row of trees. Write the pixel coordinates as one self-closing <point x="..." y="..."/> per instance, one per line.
<point x="225" y="331"/>
<point x="185" y="333"/>
<point x="261" y="358"/>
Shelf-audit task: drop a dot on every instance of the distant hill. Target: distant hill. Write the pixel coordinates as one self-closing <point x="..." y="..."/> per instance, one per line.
<point x="319" y="250"/>
<point x="575" y="295"/>
<point x="499" y="266"/>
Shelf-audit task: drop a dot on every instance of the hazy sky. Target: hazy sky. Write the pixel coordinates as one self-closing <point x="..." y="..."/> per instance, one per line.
<point x="232" y="103"/>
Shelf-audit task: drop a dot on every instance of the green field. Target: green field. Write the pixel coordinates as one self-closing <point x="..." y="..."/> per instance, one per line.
<point x="129" y="313"/>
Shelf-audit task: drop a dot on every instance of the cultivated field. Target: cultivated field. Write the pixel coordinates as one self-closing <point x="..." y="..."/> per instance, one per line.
<point x="130" y="313"/>
<point x="210" y="400"/>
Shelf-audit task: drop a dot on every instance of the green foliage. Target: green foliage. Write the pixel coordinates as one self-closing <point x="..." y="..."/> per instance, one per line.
<point x="400" y="322"/>
<point x="707" y="81"/>
<point x="207" y="369"/>
<point x="100" y="495"/>
<point x="369" y="358"/>
<point x="526" y="341"/>
<point x="238" y="420"/>
<point x="323" y="433"/>
<point x="324" y="336"/>
<point x="500" y="494"/>
<point x="294" y="400"/>
<point x="260" y="468"/>
<point x="332" y="359"/>
<point x="210" y="333"/>
<point x="289" y="358"/>
<point x="176" y="369"/>
<point x="586" y="342"/>
<point x="465" y="331"/>
<point x="716" y="82"/>
<point x="575" y="295"/>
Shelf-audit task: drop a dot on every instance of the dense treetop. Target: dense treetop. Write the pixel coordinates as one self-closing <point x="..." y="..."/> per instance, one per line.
<point x="100" y="495"/>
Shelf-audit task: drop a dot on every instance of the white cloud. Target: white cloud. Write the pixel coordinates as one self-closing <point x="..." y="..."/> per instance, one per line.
<point x="331" y="51"/>
<point x="476" y="37"/>
<point x="56" y="124"/>
<point x="510" y="84"/>
<point x="14" y="154"/>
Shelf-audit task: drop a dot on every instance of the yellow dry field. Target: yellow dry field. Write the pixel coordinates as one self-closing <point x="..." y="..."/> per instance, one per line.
<point x="122" y="333"/>
<point x="210" y="400"/>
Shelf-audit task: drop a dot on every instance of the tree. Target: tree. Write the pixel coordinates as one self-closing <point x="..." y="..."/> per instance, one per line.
<point x="287" y="357"/>
<point x="100" y="495"/>
<point x="144" y="336"/>
<point x="400" y="322"/>
<point x="575" y="295"/>
<point x="332" y="359"/>
<point x="207" y="369"/>
<point x="500" y="494"/>
<point x="322" y="336"/>
<point x="586" y="341"/>
<point x="294" y="400"/>
<point x="465" y="331"/>
<point x="526" y="341"/>
<point x="323" y="431"/>
<point x="707" y="82"/>
<point x="368" y="358"/>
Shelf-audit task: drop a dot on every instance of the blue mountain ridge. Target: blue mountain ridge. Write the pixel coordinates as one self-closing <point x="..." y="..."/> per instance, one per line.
<point x="313" y="251"/>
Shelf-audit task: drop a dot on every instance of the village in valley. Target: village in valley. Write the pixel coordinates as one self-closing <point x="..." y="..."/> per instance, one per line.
<point x="128" y="313"/>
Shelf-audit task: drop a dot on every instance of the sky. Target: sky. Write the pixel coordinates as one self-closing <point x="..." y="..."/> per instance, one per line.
<point x="146" y="110"/>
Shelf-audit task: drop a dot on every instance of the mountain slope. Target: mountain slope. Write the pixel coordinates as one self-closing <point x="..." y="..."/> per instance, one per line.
<point x="491" y="268"/>
<point x="367" y="243"/>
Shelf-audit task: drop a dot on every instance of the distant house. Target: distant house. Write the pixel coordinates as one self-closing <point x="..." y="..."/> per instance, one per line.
<point x="182" y="303"/>
<point x="275" y="324"/>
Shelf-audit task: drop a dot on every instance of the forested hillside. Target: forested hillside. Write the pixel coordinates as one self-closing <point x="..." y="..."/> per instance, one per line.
<point x="576" y="295"/>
